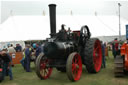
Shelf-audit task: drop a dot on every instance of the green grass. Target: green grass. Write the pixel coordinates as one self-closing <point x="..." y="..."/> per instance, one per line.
<point x="104" y="77"/>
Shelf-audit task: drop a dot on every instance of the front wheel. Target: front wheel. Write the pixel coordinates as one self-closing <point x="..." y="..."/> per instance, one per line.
<point x="42" y="69"/>
<point x="74" y="66"/>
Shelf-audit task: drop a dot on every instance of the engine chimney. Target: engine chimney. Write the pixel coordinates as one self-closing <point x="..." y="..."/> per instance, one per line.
<point x="52" y="11"/>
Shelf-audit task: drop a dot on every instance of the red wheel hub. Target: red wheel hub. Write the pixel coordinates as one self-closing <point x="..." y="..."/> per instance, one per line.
<point x="76" y="67"/>
<point x="44" y="70"/>
<point x="97" y="55"/>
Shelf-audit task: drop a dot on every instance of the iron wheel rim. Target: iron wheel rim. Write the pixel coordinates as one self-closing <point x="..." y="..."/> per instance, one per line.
<point x="97" y="55"/>
<point x="76" y="67"/>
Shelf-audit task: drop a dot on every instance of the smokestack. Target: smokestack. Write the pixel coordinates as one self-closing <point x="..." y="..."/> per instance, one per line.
<point x="52" y="11"/>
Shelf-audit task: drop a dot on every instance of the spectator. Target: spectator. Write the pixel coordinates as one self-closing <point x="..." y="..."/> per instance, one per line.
<point x="103" y="55"/>
<point x="119" y="47"/>
<point x="11" y="52"/>
<point x="28" y="52"/>
<point x="11" y="49"/>
<point x="115" y="46"/>
<point x="7" y="69"/>
<point x="34" y="46"/>
<point x="38" y="50"/>
<point x="18" y="48"/>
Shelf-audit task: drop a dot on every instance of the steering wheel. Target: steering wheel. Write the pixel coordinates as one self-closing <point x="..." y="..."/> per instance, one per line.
<point x="84" y="35"/>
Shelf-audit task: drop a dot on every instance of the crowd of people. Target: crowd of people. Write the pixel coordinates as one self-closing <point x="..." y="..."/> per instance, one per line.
<point x="25" y="62"/>
<point x="6" y="59"/>
<point x="114" y="46"/>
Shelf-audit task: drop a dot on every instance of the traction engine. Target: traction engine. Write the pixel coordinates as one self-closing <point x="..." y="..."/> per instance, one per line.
<point x="67" y="51"/>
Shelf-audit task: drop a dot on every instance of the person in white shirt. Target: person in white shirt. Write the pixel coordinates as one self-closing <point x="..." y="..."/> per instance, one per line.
<point x="11" y="49"/>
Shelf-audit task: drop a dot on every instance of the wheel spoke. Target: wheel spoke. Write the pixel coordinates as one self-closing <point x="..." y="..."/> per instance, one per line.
<point x="43" y="74"/>
<point x="73" y="67"/>
<point x="76" y="72"/>
<point x="76" y="59"/>
<point x="46" y="71"/>
<point x="41" y="71"/>
<point x="73" y="61"/>
<point x="95" y="49"/>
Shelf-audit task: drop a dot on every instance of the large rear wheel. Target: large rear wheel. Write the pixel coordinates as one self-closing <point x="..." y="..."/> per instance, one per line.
<point x="42" y="69"/>
<point x="92" y="55"/>
<point x="74" y="66"/>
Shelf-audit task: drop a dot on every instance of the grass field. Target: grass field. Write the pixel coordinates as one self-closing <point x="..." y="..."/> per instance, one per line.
<point x="104" y="77"/>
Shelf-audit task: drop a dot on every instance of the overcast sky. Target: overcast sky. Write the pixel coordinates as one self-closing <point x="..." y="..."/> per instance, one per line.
<point x="64" y="7"/>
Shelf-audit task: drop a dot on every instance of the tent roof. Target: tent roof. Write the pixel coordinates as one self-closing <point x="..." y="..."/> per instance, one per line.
<point x="38" y="27"/>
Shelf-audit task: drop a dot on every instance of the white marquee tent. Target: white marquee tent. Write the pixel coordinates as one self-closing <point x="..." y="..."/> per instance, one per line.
<point x="38" y="27"/>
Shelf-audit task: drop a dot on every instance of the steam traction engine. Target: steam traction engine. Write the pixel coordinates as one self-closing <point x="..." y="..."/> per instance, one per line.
<point x="67" y="51"/>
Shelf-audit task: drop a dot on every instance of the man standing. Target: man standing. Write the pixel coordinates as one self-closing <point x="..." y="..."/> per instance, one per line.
<point x="18" y="48"/>
<point x="115" y="46"/>
<point x="103" y="55"/>
<point x="11" y="49"/>
<point x="11" y="52"/>
<point x="38" y="50"/>
<point x="7" y="69"/>
<point x="28" y="52"/>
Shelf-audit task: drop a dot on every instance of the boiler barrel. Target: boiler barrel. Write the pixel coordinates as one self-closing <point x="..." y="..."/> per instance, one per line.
<point x="58" y="49"/>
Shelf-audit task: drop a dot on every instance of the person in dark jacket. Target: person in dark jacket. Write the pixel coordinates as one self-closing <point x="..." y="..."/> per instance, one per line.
<point x="18" y="48"/>
<point x="103" y="55"/>
<point x="115" y="47"/>
<point x="1" y="67"/>
<point x="7" y="69"/>
<point x="38" y="50"/>
<point x="28" y="52"/>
